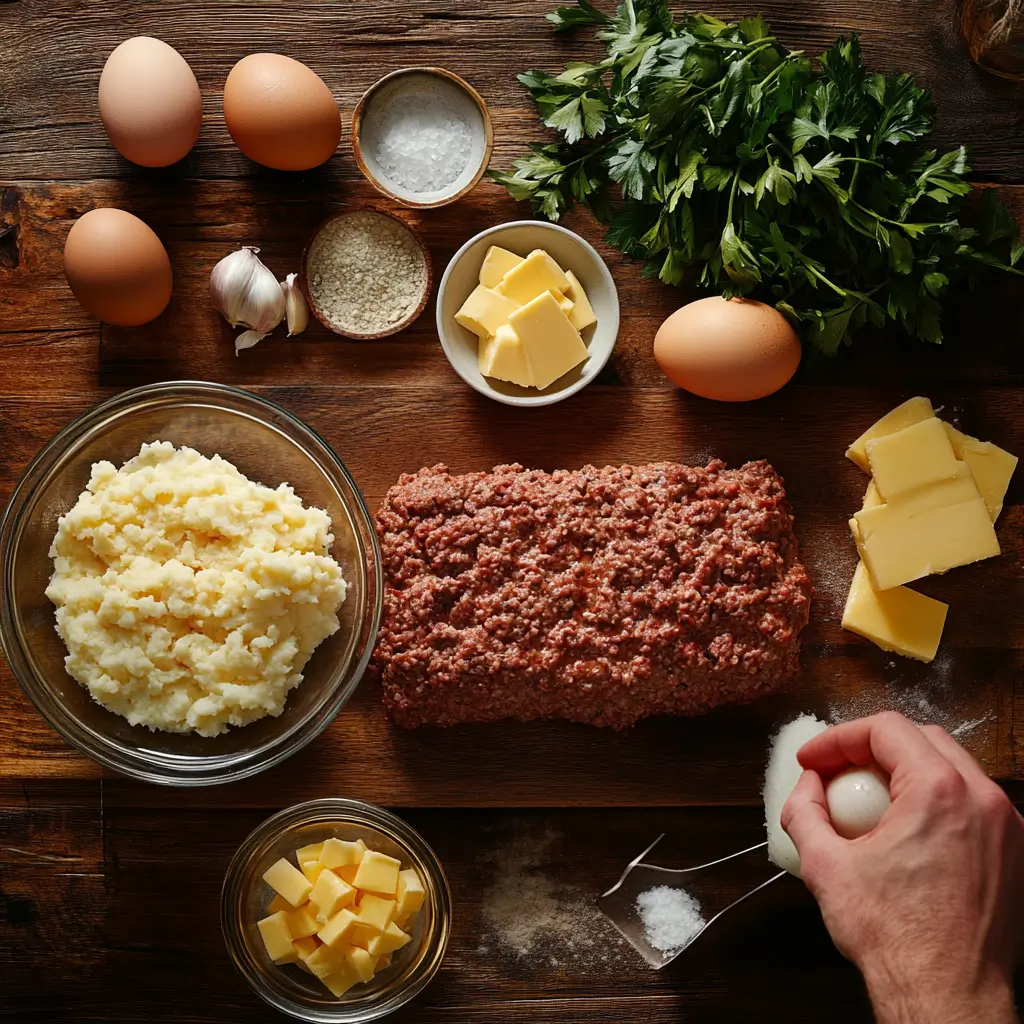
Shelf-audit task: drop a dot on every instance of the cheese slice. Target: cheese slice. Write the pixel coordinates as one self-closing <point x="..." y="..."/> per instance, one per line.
<point x="871" y="496"/>
<point x="497" y="263"/>
<point x="906" y="415"/>
<point x="911" y="458"/>
<point x="551" y="343"/>
<point x="582" y="314"/>
<point x="991" y="466"/>
<point x="537" y="274"/>
<point x="898" y="620"/>
<point x="504" y="358"/>
<point x="485" y="311"/>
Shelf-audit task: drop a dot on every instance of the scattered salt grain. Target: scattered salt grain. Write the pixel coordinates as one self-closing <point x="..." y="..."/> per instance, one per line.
<point x="671" y="918"/>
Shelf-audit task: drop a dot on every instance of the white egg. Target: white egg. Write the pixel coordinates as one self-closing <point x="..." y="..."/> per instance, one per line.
<point x="857" y="798"/>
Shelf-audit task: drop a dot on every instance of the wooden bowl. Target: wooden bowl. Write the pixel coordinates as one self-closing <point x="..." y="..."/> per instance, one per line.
<point x="419" y="80"/>
<point x="394" y="328"/>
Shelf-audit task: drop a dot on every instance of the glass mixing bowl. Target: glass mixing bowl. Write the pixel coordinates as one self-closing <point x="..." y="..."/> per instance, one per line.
<point x="245" y="897"/>
<point x="267" y="444"/>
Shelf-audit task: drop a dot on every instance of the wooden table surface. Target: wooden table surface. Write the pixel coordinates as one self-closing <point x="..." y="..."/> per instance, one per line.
<point x="109" y="889"/>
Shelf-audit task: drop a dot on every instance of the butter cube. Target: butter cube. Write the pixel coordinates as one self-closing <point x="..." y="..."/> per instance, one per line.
<point x="341" y="981"/>
<point x="360" y="935"/>
<point x="911" y="458"/>
<point x="497" y="263"/>
<point x="305" y="948"/>
<point x="279" y="903"/>
<point x="360" y="961"/>
<point x="329" y="895"/>
<point x="410" y="892"/>
<point x="312" y="869"/>
<point x="325" y="961"/>
<point x="914" y="410"/>
<point x="277" y="938"/>
<point x="537" y="274"/>
<point x="552" y="345"/>
<point x="338" y="928"/>
<point x="308" y="853"/>
<point x="898" y="620"/>
<point x="582" y="314"/>
<point x="378" y="873"/>
<point x="389" y="940"/>
<point x="485" y="311"/>
<point x="337" y="853"/>
<point x="301" y="923"/>
<point x="286" y="879"/>
<point x="375" y="913"/>
<point x="504" y="358"/>
<point x="990" y="466"/>
<point x="871" y="496"/>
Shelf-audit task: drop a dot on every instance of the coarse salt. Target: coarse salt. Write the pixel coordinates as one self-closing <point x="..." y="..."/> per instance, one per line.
<point x="671" y="918"/>
<point x="366" y="272"/>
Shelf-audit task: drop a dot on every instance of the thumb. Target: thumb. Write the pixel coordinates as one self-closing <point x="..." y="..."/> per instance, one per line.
<point x="805" y="818"/>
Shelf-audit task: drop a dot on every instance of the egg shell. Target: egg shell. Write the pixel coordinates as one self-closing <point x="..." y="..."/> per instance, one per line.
<point x="280" y="113"/>
<point x="150" y="102"/>
<point x="730" y="350"/>
<point x="117" y="267"/>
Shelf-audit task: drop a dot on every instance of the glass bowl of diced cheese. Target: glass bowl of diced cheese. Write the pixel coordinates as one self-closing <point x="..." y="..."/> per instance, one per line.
<point x="336" y="911"/>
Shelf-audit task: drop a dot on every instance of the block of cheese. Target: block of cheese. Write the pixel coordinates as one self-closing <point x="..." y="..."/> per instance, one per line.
<point x="341" y="981"/>
<point x="312" y="869"/>
<point x="338" y="928"/>
<point x="304" y="854"/>
<point x="504" y="357"/>
<point x="329" y="895"/>
<point x="906" y="415"/>
<point x="336" y="853"/>
<point x="389" y="940"/>
<point x="497" y="263"/>
<point x="378" y="873"/>
<point x="288" y="881"/>
<point x="582" y="314"/>
<point x="898" y="620"/>
<point x="410" y="892"/>
<point x="485" y="311"/>
<point x="375" y="912"/>
<point x="536" y="274"/>
<point x="552" y="345"/>
<point x="279" y="903"/>
<point x="990" y="465"/>
<point x="360" y="961"/>
<point x="302" y="924"/>
<point x="871" y="496"/>
<point x="326" y="960"/>
<point x="909" y="459"/>
<point x="277" y="938"/>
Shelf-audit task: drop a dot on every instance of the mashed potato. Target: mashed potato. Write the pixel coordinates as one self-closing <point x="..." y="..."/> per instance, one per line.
<point x="189" y="597"/>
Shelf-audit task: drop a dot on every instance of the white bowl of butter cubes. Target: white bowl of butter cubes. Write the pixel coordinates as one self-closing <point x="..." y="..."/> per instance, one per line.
<point x="527" y="313"/>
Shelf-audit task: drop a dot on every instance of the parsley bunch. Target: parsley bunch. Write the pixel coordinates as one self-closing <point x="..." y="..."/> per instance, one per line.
<point x="745" y="167"/>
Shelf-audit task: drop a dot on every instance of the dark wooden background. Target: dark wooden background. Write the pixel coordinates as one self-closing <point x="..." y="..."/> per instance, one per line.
<point x="108" y="889"/>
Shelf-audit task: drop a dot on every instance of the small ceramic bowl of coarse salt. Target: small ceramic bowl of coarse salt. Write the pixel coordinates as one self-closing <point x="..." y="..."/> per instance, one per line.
<point x="366" y="274"/>
<point x="422" y="136"/>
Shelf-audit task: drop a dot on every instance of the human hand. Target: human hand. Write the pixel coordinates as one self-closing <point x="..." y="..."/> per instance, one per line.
<point x="928" y="904"/>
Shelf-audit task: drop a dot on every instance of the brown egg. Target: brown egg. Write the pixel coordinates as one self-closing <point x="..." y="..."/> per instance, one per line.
<point x="731" y="350"/>
<point x="117" y="267"/>
<point x="280" y="113"/>
<point x="150" y="103"/>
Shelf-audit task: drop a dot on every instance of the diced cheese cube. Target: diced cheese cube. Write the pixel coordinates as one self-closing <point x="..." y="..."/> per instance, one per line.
<point x="325" y="961"/>
<point x="378" y="873"/>
<point x="338" y="928"/>
<point x="485" y="311"/>
<point x="389" y="940"/>
<point x="382" y="963"/>
<point x="402" y="919"/>
<point x="912" y="458"/>
<point x="312" y="869"/>
<point x="871" y="496"/>
<point x="582" y="314"/>
<point x="337" y="853"/>
<point x="329" y="895"/>
<point x="305" y="948"/>
<point x="301" y="923"/>
<point x="286" y="879"/>
<point x="552" y="345"/>
<point x="308" y="853"/>
<point x="497" y="263"/>
<point x="277" y="938"/>
<point x="410" y="892"/>
<point x="990" y="465"/>
<point x="537" y="274"/>
<point x="899" y="619"/>
<point x="341" y="980"/>
<point x="347" y="872"/>
<point x="279" y="903"/>
<point x="360" y="961"/>
<point x="504" y="358"/>
<point x="912" y="411"/>
<point x="375" y="912"/>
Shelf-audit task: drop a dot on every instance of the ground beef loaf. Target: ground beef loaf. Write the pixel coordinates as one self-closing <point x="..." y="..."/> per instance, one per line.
<point x="597" y="595"/>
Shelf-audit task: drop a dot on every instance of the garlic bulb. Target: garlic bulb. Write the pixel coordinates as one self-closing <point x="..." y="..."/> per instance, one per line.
<point x="247" y="295"/>
<point x="295" y="304"/>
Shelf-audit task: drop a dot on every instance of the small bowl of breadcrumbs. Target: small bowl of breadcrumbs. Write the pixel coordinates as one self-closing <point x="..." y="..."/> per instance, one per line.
<point x="366" y="274"/>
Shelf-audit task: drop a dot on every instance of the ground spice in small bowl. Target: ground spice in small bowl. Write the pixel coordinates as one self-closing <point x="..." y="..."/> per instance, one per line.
<point x="366" y="274"/>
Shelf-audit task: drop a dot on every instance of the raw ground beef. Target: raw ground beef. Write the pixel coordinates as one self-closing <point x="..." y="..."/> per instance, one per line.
<point x="597" y="595"/>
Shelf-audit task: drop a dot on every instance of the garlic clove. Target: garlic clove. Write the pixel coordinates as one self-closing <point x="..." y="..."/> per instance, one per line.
<point x="296" y="308"/>
<point x="246" y="293"/>
<point x="248" y="339"/>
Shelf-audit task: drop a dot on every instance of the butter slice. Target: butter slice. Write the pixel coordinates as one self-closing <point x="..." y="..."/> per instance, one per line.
<point x="582" y="314"/>
<point x="910" y="459"/>
<point x="906" y="415"/>
<point x="537" y="274"/>
<point x="898" y="620"/>
<point x="504" y="358"/>
<point x="991" y="466"/>
<point x="551" y="343"/>
<point x="485" y="311"/>
<point x="497" y="263"/>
